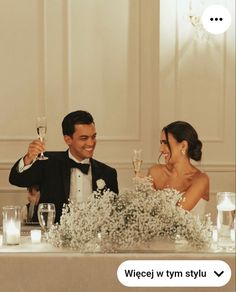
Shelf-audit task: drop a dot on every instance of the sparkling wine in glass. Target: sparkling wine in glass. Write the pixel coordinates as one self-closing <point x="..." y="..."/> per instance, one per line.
<point x="137" y="161"/>
<point x="46" y="215"/>
<point x="41" y="124"/>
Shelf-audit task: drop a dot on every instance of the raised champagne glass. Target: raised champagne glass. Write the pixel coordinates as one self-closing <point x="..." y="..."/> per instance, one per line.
<point x="137" y="161"/>
<point x="41" y="124"/>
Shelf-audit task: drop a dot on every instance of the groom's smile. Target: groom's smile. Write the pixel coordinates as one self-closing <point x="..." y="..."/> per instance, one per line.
<point x="83" y="141"/>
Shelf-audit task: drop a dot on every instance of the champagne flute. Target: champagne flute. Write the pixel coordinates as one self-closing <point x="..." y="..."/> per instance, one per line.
<point x="46" y="215"/>
<point x="137" y="161"/>
<point x="41" y="123"/>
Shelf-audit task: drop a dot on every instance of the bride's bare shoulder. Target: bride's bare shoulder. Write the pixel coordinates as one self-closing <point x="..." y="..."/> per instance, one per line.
<point x="201" y="177"/>
<point x="156" y="169"/>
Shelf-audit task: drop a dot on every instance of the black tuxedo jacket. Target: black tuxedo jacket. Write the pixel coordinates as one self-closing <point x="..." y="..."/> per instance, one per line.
<point x="53" y="178"/>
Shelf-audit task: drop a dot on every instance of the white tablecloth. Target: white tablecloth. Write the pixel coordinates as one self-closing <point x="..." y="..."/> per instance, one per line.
<point x="42" y="267"/>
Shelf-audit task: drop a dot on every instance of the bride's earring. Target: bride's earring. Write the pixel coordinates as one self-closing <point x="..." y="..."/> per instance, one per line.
<point x="183" y="151"/>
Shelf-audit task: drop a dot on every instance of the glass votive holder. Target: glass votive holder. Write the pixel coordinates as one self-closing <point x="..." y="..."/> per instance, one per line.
<point x="225" y="217"/>
<point x="11" y="224"/>
<point x="35" y="236"/>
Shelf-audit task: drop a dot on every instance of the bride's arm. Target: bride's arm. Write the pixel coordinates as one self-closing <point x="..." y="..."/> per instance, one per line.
<point x="199" y="189"/>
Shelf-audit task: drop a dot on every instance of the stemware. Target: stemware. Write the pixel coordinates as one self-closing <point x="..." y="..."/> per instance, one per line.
<point x="137" y="161"/>
<point x="41" y="124"/>
<point x="46" y="215"/>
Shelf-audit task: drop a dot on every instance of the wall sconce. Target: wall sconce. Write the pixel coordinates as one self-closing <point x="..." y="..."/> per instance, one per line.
<point x="195" y="10"/>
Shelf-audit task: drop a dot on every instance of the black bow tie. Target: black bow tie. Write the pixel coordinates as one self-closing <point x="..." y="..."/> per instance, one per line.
<point x="84" y="167"/>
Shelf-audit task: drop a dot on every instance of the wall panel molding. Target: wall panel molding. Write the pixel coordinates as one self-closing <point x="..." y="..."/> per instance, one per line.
<point x="76" y="96"/>
<point x="186" y="39"/>
<point x="12" y="190"/>
<point x="6" y="165"/>
<point x="196" y="79"/>
<point x="36" y="93"/>
<point x="16" y="138"/>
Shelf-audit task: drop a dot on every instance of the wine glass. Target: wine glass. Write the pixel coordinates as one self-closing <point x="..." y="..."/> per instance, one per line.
<point x="46" y="215"/>
<point x="41" y="124"/>
<point x="137" y="161"/>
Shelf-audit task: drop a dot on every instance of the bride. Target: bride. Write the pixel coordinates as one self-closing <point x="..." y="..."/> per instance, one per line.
<point x="178" y="144"/>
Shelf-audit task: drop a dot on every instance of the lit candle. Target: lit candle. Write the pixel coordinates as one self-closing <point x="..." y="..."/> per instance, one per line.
<point x="226" y="205"/>
<point x="35" y="236"/>
<point x="12" y="233"/>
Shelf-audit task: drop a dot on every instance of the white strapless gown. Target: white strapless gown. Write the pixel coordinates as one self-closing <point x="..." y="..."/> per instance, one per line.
<point x="200" y="208"/>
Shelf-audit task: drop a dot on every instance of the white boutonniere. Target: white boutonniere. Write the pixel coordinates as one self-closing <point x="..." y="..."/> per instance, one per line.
<point x="100" y="184"/>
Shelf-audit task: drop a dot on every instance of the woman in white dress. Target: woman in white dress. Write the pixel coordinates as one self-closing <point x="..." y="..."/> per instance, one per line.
<point x="179" y="144"/>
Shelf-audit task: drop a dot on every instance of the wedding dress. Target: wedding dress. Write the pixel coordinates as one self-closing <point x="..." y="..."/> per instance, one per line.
<point x="200" y="208"/>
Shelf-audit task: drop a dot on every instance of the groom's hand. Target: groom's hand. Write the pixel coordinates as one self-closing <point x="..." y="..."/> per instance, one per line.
<point x="34" y="149"/>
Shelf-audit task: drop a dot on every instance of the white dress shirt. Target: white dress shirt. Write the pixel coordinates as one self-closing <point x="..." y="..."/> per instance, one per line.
<point x="80" y="183"/>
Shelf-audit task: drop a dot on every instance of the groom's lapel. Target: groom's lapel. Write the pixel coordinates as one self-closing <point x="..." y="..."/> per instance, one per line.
<point x="66" y="175"/>
<point x="96" y="173"/>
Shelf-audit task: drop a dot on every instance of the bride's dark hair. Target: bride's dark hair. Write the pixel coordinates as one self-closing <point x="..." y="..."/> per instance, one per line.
<point x="183" y="131"/>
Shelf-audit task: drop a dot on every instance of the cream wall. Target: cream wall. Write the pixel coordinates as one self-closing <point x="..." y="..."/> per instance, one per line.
<point x="197" y="84"/>
<point x="108" y="57"/>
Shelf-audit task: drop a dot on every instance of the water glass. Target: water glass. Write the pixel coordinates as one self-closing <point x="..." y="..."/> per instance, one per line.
<point x="46" y="215"/>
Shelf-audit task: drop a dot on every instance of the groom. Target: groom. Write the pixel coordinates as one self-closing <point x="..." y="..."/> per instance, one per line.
<point x="71" y="174"/>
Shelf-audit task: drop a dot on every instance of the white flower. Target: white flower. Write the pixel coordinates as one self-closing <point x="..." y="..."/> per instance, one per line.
<point x="100" y="184"/>
<point x="130" y="219"/>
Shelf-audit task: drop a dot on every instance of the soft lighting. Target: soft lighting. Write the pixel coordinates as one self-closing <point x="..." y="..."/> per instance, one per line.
<point x="12" y="232"/>
<point x="11" y="224"/>
<point x="226" y="204"/>
<point x="35" y="236"/>
<point x="195" y="9"/>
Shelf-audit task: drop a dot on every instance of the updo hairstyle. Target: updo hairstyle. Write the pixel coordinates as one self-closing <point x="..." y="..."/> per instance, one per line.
<point x="184" y="131"/>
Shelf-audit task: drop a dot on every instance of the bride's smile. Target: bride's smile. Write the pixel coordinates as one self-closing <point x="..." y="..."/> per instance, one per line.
<point x="179" y="144"/>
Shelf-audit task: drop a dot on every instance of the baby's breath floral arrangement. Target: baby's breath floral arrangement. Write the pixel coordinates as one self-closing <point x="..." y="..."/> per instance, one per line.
<point x="128" y="220"/>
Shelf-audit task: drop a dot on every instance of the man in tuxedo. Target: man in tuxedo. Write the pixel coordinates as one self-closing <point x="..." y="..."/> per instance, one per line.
<point x="71" y="174"/>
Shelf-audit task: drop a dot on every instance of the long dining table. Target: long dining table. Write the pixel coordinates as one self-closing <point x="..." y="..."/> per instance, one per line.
<point x="43" y="267"/>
